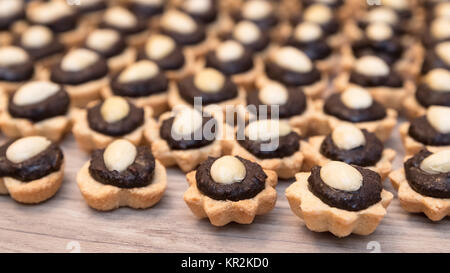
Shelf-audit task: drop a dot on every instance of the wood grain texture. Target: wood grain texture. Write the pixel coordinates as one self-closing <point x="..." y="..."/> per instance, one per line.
<point x="66" y="221"/>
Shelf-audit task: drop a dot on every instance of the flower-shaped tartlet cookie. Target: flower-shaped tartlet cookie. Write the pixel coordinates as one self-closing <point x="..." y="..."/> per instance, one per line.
<point x="291" y="105"/>
<point x="262" y="13"/>
<point x="233" y="60"/>
<point x="321" y="14"/>
<point x="250" y="36"/>
<point x="41" y="45"/>
<point x="379" y="39"/>
<point x="230" y="189"/>
<point x="339" y="198"/>
<point x="83" y="73"/>
<point x="111" y="45"/>
<point x="385" y="84"/>
<point x="147" y="9"/>
<point x="326" y="17"/>
<point x="437" y="56"/>
<point x="423" y="184"/>
<point x="409" y="14"/>
<point x="351" y="145"/>
<point x="61" y="18"/>
<point x="436" y="8"/>
<point x="91" y="11"/>
<point x="16" y="67"/>
<point x="143" y="83"/>
<point x="403" y="8"/>
<point x="437" y="32"/>
<point x="355" y="105"/>
<point x="273" y="144"/>
<point x="431" y="130"/>
<point x="291" y="67"/>
<point x="378" y="14"/>
<point x="176" y="62"/>
<point x="434" y="89"/>
<point x="185" y="137"/>
<point x="132" y="28"/>
<point x="311" y="39"/>
<point x="122" y="175"/>
<point x="186" y="32"/>
<point x="36" y="108"/>
<point x="12" y="13"/>
<point x="203" y="11"/>
<point x="32" y="169"/>
<point x="91" y="8"/>
<point x="209" y="87"/>
<point x="103" y="122"/>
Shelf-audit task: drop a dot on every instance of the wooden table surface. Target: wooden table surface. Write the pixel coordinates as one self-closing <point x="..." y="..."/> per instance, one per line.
<point x="65" y="224"/>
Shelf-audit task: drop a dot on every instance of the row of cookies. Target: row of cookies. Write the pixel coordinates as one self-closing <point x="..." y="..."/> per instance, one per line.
<point x="43" y="108"/>
<point x="312" y="36"/>
<point x="32" y="171"/>
<point x="224" y="189"/>
<point x="123" y="175"/>
<point x="422" y="183"/>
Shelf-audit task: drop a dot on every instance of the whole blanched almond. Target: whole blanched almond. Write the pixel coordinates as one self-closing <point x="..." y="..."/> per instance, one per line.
<point x="227" y="170"/>
<point x="26" y="148"/>
<point x="341" y="176"/>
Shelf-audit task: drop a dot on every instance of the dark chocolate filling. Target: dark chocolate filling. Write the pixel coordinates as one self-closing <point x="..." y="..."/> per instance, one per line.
<point x="404" y="14"/>
<point x="56" y="105"/>
<point x="427" y="97"/>
<point x="38" y="53"/>
<point x="264" y="23"/>
<point x="432" y="61"/>
<point x="186" y="39"/>
<point x="140" y="88"/>
<point x="260" y="44"/>
<point x="115" y="49"/>
<point x="205" y="17"/>
<point x="334" y="4"/>
<point x="392" y="79"/>
<point x="240" y="65"/>
<point x="329" y="28"/>
<point x="140" y="26"/>
<point x="173" y="61"/>
<point x="17" y="72"/>
<point x="287" y="145"/>
<point x="422" y="131"/>
<point x="289" y="77"/>
<point x="139" y="174"/>
<point x="389" y="50"/>
<point x="62" y="24"/>
<point x="196" y="139"/>
<point x="122" y="127"/>
<point x="315" y="50"/>
<point x="188" y="91"/>
<point x="366" y="196"/>
<point x="335" y="107"/>
<point x="41" y="165"/>
<point x="433" y="185"/>
<point x="98" y="6"/>
<point x="145" y="11"/>
<point x="94" y="72"/>
<point x="295" y="104"/>
<point x="366" y="155"/>
<point x="253" y="183"/>
<point x="430" y="41"/>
